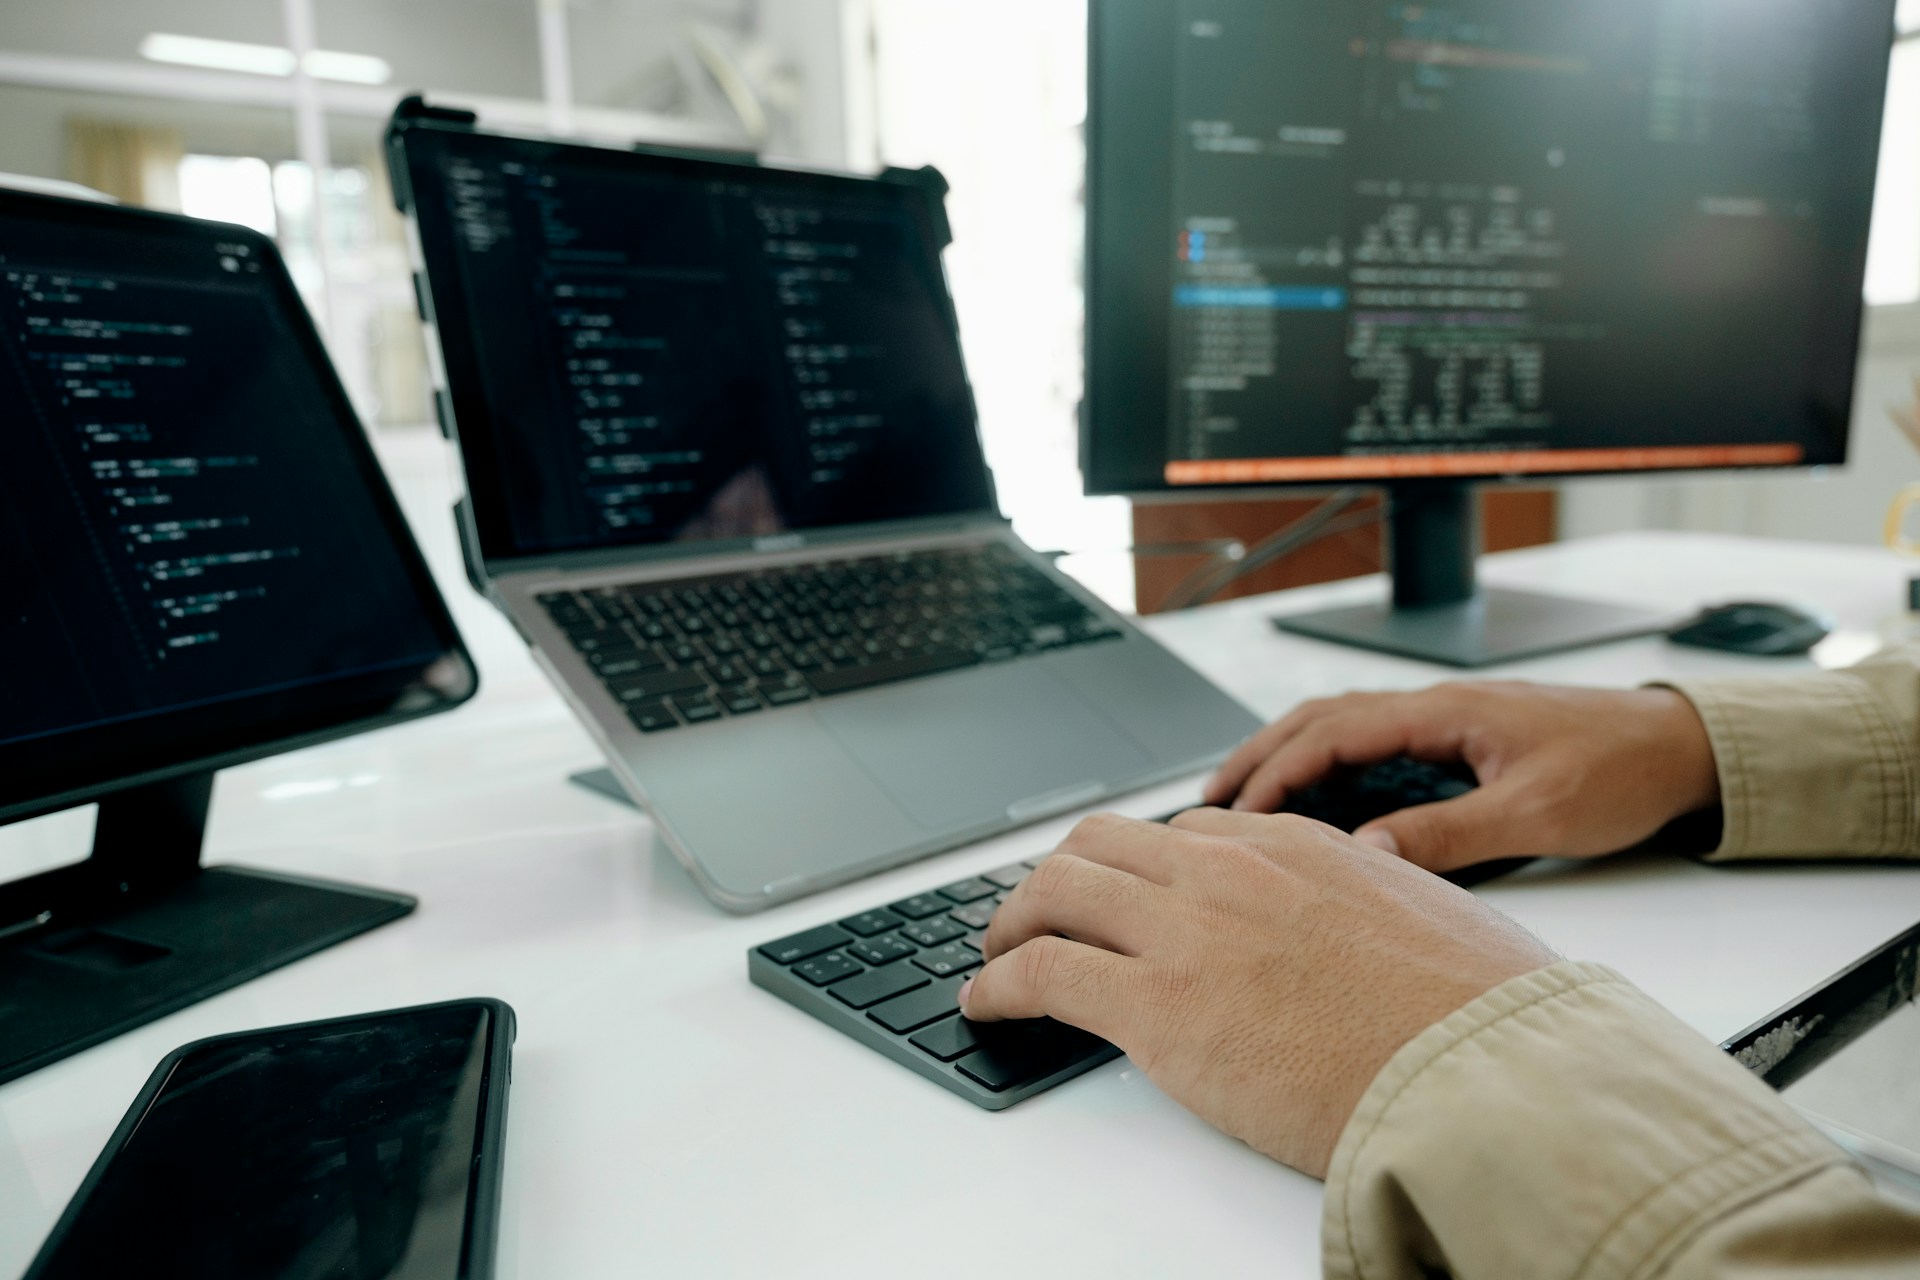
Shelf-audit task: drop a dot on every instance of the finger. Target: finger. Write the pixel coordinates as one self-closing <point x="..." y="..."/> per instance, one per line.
<point x="1144" y="849"/>
<point x="1235" y="825"/>
<point x="1233" y="774"/>
<point x="1078" y="899"/>
<point x="1052" y="978"/>
<point x="1416" y="726"/>
<point x="1480" y="826"/>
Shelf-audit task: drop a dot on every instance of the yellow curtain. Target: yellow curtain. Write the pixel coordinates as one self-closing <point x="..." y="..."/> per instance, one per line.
<point x="134" y="163"/>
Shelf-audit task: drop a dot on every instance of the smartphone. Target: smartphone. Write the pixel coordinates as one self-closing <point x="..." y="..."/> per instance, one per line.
<point x="362" y="1147"/>
<point x="1843" y="1054"/>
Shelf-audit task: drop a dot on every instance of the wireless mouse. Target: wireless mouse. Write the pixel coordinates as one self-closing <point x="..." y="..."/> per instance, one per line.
<point x="1762" y="630"/>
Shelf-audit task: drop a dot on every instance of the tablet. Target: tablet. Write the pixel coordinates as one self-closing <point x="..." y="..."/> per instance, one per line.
<point x="360" y="1146"/>
<point x="1844" y="1055"/>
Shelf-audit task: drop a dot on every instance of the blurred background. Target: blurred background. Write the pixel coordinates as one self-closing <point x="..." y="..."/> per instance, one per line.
<point x="268" y="113"/>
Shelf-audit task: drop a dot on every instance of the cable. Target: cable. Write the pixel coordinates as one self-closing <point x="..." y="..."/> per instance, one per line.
<point x="1228" y="548"/>
<point x="1346" y="524"/>
<point x="1209" y="580"/>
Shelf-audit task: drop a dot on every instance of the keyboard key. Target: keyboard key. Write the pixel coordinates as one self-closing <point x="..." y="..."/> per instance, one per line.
<point x="875" y="985"/>
<point x="610" y="643"/>
<point x="887" y="671"/>
<point x="884" y="950"/>
<point x="913" y="1011"/>
<point x="932" y="933"/>
<point x="822" y="970"/>
<point x="629" y="665"/>
<point x="1017" y="1052"/>
<point x="651" y="717"/>
<point x="919" y="906"/>
<point x="968" y="891"/>
<point x="787" y="697"/>
<point x="656" y="684"/>
<point x="697" y="708"/>
<point x="977" y="916"/>
<point x="740" y="704"/>
<point x="950" y="959"/>
<point x="948" y="1040"/>
<point x="868" y="923"/>
<point x="1009" y="877"/>
<point x="801" y="946"/>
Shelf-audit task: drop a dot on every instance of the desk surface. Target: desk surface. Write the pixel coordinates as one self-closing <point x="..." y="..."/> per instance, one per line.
<point x="668" y="1116"/>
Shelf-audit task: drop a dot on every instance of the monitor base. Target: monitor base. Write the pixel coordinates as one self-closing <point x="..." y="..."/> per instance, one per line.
<point x="602" y="783"/>
<point x="1489" y="628"/>
<point x="68" y="988"/>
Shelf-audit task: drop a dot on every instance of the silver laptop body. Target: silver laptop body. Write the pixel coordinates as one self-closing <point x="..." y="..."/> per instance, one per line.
<point x="804" y="794"/>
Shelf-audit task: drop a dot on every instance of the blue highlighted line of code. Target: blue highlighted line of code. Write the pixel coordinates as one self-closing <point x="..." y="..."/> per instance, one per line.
<point x="1264" y="297"/>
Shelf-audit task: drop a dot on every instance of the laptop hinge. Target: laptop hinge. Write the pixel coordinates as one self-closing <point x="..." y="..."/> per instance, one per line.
<point x="818" y="540"/>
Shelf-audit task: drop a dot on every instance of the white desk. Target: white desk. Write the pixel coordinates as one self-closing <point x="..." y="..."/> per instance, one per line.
<point x="669" y="1118"/>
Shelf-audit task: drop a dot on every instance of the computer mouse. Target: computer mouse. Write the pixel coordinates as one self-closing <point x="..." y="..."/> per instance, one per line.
<point x="1351" y="798"/>
<point x="1762" y="630"/>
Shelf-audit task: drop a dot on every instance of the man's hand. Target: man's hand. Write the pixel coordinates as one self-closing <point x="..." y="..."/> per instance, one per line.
<point x="1259" y="969"/>
<point x="1563" y="772"/>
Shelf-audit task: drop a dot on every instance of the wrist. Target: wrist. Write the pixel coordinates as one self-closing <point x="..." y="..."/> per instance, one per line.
<point x="1687" y="752"/>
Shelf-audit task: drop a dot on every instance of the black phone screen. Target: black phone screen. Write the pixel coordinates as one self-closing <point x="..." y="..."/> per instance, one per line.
<point x="340" y="1149"/>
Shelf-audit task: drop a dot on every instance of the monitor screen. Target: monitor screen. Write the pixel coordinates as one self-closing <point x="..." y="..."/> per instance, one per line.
<point x="1363" y="239"/>
<point x="644" y="349"/>
<point x="201" y="556"/>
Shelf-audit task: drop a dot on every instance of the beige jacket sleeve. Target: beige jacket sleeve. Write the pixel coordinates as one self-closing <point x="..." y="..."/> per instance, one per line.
<point x="1566" y="1127"/>
<point x="1818" y="765"/>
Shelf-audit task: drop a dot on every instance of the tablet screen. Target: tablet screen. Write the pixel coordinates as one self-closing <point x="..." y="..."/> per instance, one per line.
<point x="337" y="1150"/>
<point x="202" y="556"/>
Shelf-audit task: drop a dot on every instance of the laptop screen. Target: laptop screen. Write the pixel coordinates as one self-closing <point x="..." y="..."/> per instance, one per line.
<point x="644" y="349"/>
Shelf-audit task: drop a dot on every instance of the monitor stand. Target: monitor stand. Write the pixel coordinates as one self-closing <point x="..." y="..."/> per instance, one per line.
<point x="141" y="928"/>
<point x="1439" y="613"/>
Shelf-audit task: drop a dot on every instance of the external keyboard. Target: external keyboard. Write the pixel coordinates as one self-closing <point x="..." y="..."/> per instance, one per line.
<point x="890" y="977"/>
<point x="695" y="650"/>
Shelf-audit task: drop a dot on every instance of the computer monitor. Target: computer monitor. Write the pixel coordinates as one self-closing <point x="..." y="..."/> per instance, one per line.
<point x="202" y="566"/>
<point x="1431" y="245"/>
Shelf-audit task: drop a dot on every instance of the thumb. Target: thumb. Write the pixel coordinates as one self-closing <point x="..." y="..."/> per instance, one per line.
<point x="1478" y="827"/>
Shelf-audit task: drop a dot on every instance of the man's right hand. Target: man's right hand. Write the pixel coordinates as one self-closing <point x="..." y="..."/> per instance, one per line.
<point x="1563" y="772"/>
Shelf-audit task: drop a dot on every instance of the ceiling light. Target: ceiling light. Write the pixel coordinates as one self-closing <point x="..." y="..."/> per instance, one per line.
<point x="353" y="68"/>
<point x="263" y="59"/>
<point x="218" y="55"/>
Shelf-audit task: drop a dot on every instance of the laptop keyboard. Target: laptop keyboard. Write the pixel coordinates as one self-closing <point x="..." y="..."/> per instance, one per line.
<point x="890" y="978"/>
<point x="700" y="649"/>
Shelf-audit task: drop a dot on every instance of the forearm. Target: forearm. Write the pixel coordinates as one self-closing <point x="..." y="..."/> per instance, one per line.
<point x="1820" y="765"/>
<point x="1565" y="1125"/>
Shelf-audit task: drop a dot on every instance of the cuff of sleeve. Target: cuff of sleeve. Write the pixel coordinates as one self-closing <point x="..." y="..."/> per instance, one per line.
<point x="1808" y="767"/>
<point x="1562" y="1125"/>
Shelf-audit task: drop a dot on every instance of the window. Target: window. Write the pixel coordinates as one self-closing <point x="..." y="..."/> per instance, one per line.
<point x="1893" y="257"/>
<point x="1015" y="156"/>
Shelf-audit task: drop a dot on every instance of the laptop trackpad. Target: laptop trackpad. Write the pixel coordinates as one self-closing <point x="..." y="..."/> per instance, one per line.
<point x="964" y="748"/>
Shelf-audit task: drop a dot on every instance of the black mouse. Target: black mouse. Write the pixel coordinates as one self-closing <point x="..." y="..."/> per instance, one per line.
<point x="1762" y="630"/>
<point x="1351" y="798"/>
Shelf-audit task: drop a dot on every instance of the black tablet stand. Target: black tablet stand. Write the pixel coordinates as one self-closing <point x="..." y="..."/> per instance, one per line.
<point x="141" y="928"/>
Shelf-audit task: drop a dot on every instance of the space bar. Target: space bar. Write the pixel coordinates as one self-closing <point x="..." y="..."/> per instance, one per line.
<point x="930" y="662"/>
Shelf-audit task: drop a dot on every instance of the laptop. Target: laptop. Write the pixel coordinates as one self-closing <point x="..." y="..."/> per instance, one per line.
<point x="724" y="475"/>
